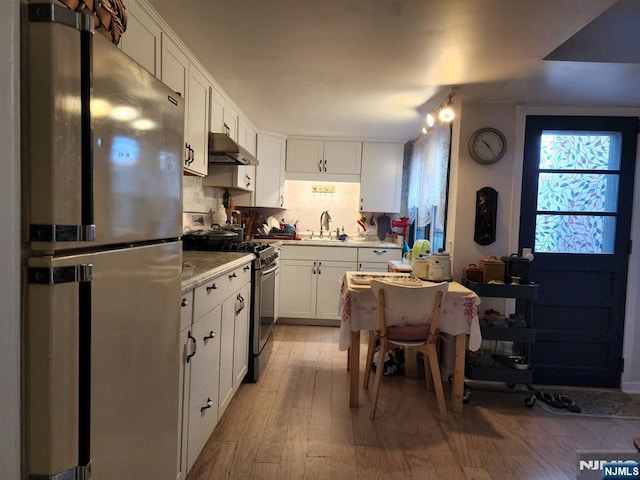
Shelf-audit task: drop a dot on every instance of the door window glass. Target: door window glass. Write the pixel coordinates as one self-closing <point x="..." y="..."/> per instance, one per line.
<point x="576" y="208"/>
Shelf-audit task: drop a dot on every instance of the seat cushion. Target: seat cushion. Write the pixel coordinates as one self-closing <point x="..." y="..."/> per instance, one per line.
<point x="408" y="332"/>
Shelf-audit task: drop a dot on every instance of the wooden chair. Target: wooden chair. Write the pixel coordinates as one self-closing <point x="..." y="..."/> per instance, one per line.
<point x="409" y="318"/>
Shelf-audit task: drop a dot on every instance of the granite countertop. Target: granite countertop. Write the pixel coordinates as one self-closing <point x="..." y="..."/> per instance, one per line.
<point x="210" y="264"/>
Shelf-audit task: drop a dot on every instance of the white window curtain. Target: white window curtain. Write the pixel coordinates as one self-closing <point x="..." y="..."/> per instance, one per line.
<point x="428" y="177"/>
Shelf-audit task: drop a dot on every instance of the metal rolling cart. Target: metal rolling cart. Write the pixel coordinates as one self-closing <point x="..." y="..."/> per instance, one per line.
<point x="492" y="365"/>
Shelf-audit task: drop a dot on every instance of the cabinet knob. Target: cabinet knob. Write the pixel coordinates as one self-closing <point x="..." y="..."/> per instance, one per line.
<point x="185" y="302"/>
<point x="247" y="267"/>
<point x="213" y="286"/>
<point x="379" y="252"/>
<point x="211" y="335"/>
<point x="232" y="276"/>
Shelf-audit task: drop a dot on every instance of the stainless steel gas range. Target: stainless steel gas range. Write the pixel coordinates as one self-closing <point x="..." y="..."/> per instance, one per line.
<point x="265" y="270"/>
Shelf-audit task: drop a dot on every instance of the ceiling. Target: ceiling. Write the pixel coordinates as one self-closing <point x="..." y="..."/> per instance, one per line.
<point x="373" y="69"/>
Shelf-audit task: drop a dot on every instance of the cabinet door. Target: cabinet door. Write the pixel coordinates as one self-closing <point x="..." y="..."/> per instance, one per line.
<point x="245" y="177"/>
<point x="198" y="120"/>
<point x="186" y="347"/>
<point x="241" y="337"/>
<point x="218" y="103"/>
<point x="142" y="40"/>
<point x="372" y="267"/>
<point x="175" y="66"/>
<point x="203" y="417"/>
<point x="226" y="352"/>
<point x="276" y="299"/>
<point x="304" y="155"/>
<point x="270" y="173"/>
<point x="342" y="157"/>
<point x="251" y="141"/>
<point x="298" y="288"/>
<point x="328" y="276"/>
<point x="231" y="121"/>
<point x="381" y="177"/>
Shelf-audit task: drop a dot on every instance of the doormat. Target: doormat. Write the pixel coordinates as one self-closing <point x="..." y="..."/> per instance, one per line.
<point x="588" y="402"/>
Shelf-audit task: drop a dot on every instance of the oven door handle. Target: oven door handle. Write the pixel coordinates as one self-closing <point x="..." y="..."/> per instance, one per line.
<point x="269" y="270"/>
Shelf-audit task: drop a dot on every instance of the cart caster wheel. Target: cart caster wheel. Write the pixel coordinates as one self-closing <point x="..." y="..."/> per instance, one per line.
<point x="511" y="385"/>
<point x="466" y="396"/>
<point x="529" y="402"/>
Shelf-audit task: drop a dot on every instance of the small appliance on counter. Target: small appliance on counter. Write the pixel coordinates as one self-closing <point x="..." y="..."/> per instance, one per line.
<point x="440" y="267"/>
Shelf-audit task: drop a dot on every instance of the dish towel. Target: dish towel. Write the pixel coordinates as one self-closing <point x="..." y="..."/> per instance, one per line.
<point x="384" y="227"/>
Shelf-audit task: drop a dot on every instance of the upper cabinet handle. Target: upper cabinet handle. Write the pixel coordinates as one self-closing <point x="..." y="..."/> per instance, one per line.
<point x="281" y="200"/>
<point x="325" y="165"/>
<point x="320" y="165"/>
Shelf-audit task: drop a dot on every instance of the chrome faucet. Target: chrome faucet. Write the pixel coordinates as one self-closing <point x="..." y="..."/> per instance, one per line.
<point x="325" y="218"/>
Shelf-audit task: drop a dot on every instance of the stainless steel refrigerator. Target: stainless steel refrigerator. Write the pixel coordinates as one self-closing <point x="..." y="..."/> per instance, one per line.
<point x="102" y="183"/>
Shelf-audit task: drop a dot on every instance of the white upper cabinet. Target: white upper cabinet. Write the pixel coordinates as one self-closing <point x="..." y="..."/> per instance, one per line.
<point x="175" y="66"/>
<point x="381" y="178"/>
<point x="318" y="156"/>
<point x="197" y="130"/>
<point x="224" y="118"/>
<point x="269" y="191"/>
<point x="246" y="136"/>
<point x="141" y="40"/>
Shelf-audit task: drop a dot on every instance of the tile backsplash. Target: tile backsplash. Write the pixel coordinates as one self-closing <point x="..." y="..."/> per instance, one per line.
<point x="196" y="198"/>
<point x="306" y="206"/>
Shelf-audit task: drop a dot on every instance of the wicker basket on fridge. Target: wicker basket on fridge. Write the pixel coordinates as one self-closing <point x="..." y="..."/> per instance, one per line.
<point x="109" y="16"/>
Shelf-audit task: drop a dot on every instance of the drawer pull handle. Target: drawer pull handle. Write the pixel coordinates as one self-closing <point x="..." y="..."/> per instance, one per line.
<point x="232" y="276"/>
<point x="208" y="405"/>
<point x="212" y="287"/>
<point x="185" y="302"/>
<point x="247" y="267"/>
<point x="211" y="335"/>
<point x="195" y="347"/>
<point x="379" y="252"/>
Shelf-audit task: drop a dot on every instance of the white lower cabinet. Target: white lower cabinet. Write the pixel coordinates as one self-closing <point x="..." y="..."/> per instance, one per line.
<point x="310" y="280"/>
<point x="215" y="355"/>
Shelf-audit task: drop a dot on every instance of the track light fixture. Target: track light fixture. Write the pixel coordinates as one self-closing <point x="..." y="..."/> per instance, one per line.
<point x="446" y="114"/>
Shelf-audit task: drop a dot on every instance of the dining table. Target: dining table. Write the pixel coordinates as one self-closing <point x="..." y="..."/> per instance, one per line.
<point x="359" y="311"/>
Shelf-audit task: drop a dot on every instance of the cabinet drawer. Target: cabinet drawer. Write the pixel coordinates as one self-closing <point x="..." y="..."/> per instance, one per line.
<point x="186" y="309"/>
<point x="203" y="417"/>
<point x="207" y="357"/>
<point x="329" y="254"/>
<point x="373" y="267"/>
<point x="216" y="290"/>
<point x="378" y="254"/>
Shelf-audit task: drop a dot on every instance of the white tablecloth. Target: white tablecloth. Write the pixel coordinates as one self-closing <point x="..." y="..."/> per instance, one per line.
<point x="359" y="311"/>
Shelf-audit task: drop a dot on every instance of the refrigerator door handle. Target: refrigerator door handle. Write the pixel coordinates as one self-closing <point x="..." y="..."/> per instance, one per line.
<point x="56" y="275"/>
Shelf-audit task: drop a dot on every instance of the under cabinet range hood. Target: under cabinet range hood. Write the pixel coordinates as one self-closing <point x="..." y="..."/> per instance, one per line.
<point x="223" y="150"/>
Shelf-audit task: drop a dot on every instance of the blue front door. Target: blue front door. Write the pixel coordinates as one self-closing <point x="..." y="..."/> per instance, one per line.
<point x="577" y="198"/>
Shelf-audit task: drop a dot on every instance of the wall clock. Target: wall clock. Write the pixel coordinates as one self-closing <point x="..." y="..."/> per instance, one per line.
<point x="487" y="145"/>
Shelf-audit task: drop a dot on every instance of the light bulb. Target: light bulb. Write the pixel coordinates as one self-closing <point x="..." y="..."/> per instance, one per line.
<point x="431" y="120"/>
<point x="424" y="129"/>
<point x="446" y="114"/>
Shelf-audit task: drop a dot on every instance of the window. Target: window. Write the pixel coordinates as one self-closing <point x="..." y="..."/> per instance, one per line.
<point x="428" y="182"/>
<point x="578" y="178"/>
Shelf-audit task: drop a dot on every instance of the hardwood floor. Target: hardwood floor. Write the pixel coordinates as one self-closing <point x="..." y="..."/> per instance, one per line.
<point x="296" y="424"/>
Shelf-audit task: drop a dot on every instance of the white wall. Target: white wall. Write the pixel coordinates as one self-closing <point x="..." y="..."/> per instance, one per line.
<point x="506" y="177"/>
<point x="10" y="241"/>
